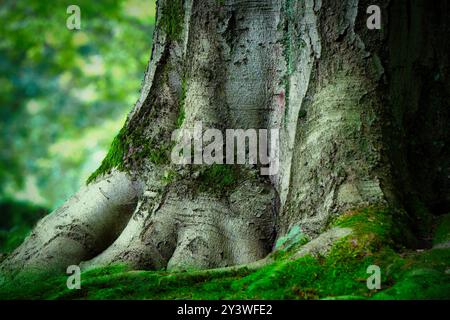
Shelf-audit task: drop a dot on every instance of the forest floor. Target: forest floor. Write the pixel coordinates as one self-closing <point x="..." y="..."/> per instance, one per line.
<point x="408" y="271"/>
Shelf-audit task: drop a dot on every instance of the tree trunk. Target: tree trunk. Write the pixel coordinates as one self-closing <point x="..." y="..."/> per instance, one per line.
<point x="357" y="111"/>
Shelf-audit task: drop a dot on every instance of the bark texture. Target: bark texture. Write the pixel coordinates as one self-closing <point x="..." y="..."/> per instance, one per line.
<point x="357" y="109"/>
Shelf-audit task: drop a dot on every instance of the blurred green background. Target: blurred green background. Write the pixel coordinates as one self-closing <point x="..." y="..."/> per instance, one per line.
<point x="63" y="96"/>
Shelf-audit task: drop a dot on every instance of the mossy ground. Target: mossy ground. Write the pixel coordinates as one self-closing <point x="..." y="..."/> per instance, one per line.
<point x="157" y="153"/>
<point x="406" y="273"/>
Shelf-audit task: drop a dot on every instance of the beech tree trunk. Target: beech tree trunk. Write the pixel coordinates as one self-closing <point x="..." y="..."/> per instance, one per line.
<point x="362" y="114"/>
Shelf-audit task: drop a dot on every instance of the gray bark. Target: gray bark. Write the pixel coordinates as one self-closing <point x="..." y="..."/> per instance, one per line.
<point x="337" y="92"/>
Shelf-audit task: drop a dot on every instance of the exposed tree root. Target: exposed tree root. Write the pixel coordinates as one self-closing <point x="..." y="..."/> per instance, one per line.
<point x="182" y="232"/>
<point x="80" y="229"/>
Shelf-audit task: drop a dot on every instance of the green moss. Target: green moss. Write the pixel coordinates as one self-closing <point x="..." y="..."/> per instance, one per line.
<point x="384" y="225"/>
<point x="418" y="276"/>
<point x="418" y="284"/>
<point x="172" y="18"/>
<point x="340" y="275"/>
<point x="32" y="286"/>
<point x="159" y="155"/>
<point x="114" y="158"/>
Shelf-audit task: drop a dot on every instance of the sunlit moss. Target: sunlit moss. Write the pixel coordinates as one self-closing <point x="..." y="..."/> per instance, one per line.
<point x="416" y="275"/>
<point x="342" y="274"/>
<point x="217" y="178"/>
<point x="383" y="224"/>
<point x="114" y="158"/>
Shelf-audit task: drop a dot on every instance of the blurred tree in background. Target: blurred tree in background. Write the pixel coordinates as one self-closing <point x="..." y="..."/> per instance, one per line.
<point x="63" y="92"/>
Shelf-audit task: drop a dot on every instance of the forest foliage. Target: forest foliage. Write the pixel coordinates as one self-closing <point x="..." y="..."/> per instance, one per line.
<point x="63" y="94"/>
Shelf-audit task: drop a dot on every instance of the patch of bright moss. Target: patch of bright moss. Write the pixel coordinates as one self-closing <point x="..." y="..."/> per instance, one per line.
<point x="159" y="155"/>
<point x="422" y="275"/>
<point x="11" y="239"/>
<point x="379" y="224"/>
<point x="114" y="158"/>
<point x="32" y="286"/>
<point x="340" y="275"/>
